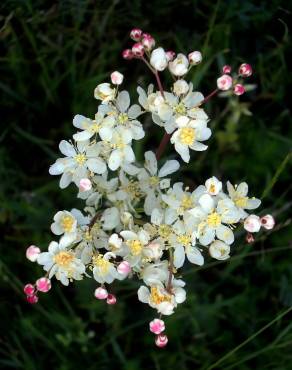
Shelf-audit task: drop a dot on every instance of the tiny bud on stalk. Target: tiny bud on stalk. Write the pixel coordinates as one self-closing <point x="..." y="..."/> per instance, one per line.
<point x="161" y="340"/>
<point x="124" y="268"/>
<point x="245" y="70"/>
<point x="195" y="57"/>
<point x="157" y="326"/>
<point x="148" y="41"/>
<point x="101" y="293"/>
<point x="268" y="222"/>
<point x="226" y="69"/>
<point x="252" y="224"/>
<point x="29" y="289"/>
<point x="249" y="238"/>
<point x="43" y="284"/>
<point x="32" y="253"/>
<point x="136" y="34"/>
<point x="111" y="299"/>
<point x="117" y="78"/>
<point x="32" y="299"/>
<point x="238" y="89"/>
<point x="224" y="82"/>
<point x="170" y="55"/>
<point x="138" y="50"/>
<point x="85" y="185"/>
<point x="128" y="54"/>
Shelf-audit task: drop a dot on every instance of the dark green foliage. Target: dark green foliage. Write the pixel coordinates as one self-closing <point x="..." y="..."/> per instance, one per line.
<point x="53" y="54"/>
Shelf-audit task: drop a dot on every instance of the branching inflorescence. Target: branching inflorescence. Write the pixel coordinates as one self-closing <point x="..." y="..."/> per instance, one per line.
<point x="136" y="223"/>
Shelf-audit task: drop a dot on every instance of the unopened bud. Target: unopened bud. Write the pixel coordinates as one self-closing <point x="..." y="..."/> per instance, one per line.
<point x="224" y="82"/>
<point x="195" y="57"/>
<point x="226" y="69"/>
<point x="245" y="70"/>
<point x="238" y="89"/>
<point x="127" y="54"/>
<point x="161" y="340"/>
<point x="252" y="224"/>
<point x="157" y="326"/>
<point x="111" y="299"/>
<point x="85" y="185"/>
<point x="101" y="293"/>
<point x="138" y="50"/>
<point x="29" y="289"/>
<point x="136" y="34"/>
<point x="117" y="78"/>
<point x="170" y="55"/>
<point x="43" y="284"/>
<point x="32" y="299"/>
<point x="148" y="41"/>
<point x="268" y="222"/>
<point x="32" y="253"/>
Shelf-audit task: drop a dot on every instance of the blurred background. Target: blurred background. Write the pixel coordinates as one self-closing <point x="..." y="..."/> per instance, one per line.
<point x="53" y="54"/>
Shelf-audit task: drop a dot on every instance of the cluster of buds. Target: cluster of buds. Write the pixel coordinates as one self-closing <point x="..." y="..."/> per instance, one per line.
<point x="137" y="223"/>
<point x="157" y="326"/>
<point x="43" y="285"/>
<point x="226" y="81"/>
<point x="253" y="223"/>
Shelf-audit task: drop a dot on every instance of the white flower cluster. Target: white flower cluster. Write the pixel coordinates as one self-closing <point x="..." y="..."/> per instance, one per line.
<point x="135" y="222"/>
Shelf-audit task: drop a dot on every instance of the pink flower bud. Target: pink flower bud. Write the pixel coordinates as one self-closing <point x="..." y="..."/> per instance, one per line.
<point x="157" y="326"/>
<point x="32" y="299"/>
<point x="148" y="41"/>
<point x="161" y="340"/>
<point x="101" y="293"/>
<point x="224" y="82"/>
<point x="170" y="55"/>
<point x="226" y="69"/>
<point x="138" y="50"/>
<point x="85" y="185"/>
<point x="111" y="299"/>
<point x="124" y="268"/>
<point x="117" y="78"/>
<point x="127" y="54"/>
<point x="245" y="70"/>
<point x="238" y="89"/>
<point x="268" y="222"/>
<point x="252" y="224"/>
<point x="136" y="34"/>
<point x="29" y="289"/>
<point x="249" y="238"/>
<point x="32" y="253"/>
<point x="43" y="284"/>
<point x="195" y="57"/>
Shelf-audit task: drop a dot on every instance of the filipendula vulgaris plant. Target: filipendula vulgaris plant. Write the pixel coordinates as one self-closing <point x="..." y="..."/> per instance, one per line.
<point x="135" y="223"/>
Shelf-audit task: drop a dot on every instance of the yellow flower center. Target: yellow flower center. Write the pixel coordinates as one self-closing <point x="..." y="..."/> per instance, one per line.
<point x="164" y="231"/>
<point x="80" y="158"/>
<point x="154" y="180"/>
<point x="214" y="219"/>
<point x="133" y="189"/>
<point x="135" y="247"/>
<point x="63" y="259"/>
<point x="94" y="127"/>
<point x="186" y="202"/>
<point x="123" y="118"/>
<point x="212" y="188"/>
<point x="67" y="223"/>
<point x="184" y="239"/>
<point x="101" y="263"/>
<point x="241" y="202"/>
<point x="156" y="297"/>
<point x="180" y="108"/>
<point x="187" y="135"/>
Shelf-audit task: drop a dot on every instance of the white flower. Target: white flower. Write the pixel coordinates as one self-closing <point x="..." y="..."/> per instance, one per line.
<point x="180" y="87"/>
<point x="252" y="224"/>
<point x="122" y="152"/>
<point x="212" y="215"/>
<point x="179" y="66"/>
<point x="224" y="82"/>
<point x="77" y="163"/>
<point x="104" y="92"/>
<point x="189" y="135"/>
<point x="62" y="263"/>
<point x="158" y="297"/>
<point x="134" y="244"/>
<point x="117" y="78"/>
<point x="158" y="59"/>
<point x="239" y="196"/>
<point x="213" y="186"/>
<point x="219" y="250"/>
<point x="91" y="127"/>
<point x="105" y="271"/>
<point x="65" y="223"/>
<point x="155" y="273"/>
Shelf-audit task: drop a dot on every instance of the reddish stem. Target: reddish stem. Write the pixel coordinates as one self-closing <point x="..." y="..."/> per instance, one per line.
<point x="159" y="83"/>
<point x="162" y="145"/>
<point x="208" y="97"/>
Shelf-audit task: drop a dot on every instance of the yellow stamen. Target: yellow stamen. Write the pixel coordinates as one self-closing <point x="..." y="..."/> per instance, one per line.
<point x="214" y="219"/>
<point x="101" y="263"/>
<point x="63" y="259"/>
<point x="135" y="247"/>
<point x="187" y="135"/>
<point x="156" y="297"/>
<point x="67" y="223"/>
<point x="80" y="158"/>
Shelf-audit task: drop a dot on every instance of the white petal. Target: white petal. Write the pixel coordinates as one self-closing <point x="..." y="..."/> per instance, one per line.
<point x="225" y="234"/>
<point x="114" y="161"/>
<point x="67" y="149"/>
<point x="123" y="101"/>
<point x="143" y="294"/>
<point x="83" y="135"/>
<point x="168" y="168"/>
<point x="179" y="256"/>
<point x="96" y="165"/>
<point x="195" y="256"/>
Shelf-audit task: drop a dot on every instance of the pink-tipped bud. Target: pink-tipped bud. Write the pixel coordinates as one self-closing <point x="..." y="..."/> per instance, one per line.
<point x="170" y="55"/>
<point x="226" y="69"/>
<point x="32" y="253"/>
<point x="252" y="224"/>
<point x="245" y="70"/>
<point x="138" y="50"/>
<point x="161" y="340"/>
<point x="43" y="284"/>
<point x="148" y="41"/>
<point x="195" y="57"/>
<point x="111" y="299"/>
<point x="127" y="54"/>
<point x="224" y="82"/>
<point x="32" y="299"/>
<point x="249" y="238"/>
<point x="268" y="222"/>
<point x="124" y="268"/>
<point x="117" y="78"/>
<point x="29" y="289"/>
<point x="85" y="185"/>
<point x="101" y="293"/>
<point x="238" y="89"/>
<point x="157" y="326"/>
<point x="136" y="34"/>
